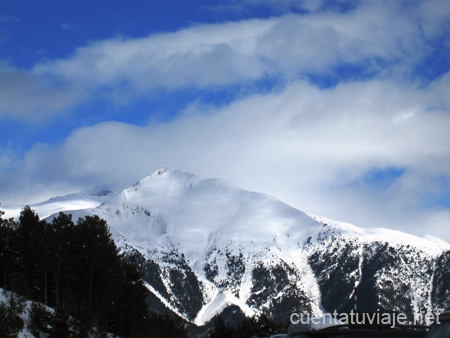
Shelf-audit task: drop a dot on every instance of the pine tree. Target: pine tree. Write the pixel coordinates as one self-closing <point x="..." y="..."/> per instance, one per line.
<point x="8" y="251"/>
<point x="61" y="325"/>
<point x="63" y="253"/>
<point x="222" y="330"/>
<point x="10" y="323"/>
<point x="165" y="327"/>
<point x="27" y="247"/>
<point x="130" y="314"/>
<point x="40" y="319"/>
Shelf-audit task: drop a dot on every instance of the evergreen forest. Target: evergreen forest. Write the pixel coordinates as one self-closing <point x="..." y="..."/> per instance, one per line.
<point x="76" y="269"/>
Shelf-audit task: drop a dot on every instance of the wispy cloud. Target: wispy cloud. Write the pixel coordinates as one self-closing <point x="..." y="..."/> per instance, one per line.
<point x="31" y="97"/>
<point x="309" y="153"/>
<point x="380" y="39"/>
<point x="5" y="22"/>
<point x="276" y="7"/>
<point x="8" y="19"/>
<point x="69" y="27"/>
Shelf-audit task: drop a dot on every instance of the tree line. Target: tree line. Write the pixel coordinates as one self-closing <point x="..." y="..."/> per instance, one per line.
<point x="260" y="326"/>
<point x="76" y="268"/>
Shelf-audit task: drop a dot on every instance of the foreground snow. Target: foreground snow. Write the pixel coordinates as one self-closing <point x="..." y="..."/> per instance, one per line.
<point x="25" y="315"/>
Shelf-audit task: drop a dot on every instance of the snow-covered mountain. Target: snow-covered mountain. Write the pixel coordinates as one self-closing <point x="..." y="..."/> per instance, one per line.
<point x="208" y="247"/>
<point x="76" y="201"/>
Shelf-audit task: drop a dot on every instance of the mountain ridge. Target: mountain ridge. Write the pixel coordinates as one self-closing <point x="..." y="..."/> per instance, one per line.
<point x="207" y="245"/>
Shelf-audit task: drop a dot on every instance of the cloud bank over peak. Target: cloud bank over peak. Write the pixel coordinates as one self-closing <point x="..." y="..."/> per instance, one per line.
<point x="340" y="109"/>
<point x="349" y="151"/>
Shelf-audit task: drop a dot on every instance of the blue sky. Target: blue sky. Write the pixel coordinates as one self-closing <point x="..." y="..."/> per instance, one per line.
<point x="339" y="108"/>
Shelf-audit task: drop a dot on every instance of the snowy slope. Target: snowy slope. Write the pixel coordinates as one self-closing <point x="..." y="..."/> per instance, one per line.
<point x="429" y="243"/>
<point x="23" y="311"/>
<point x="173" y="211"/>
<point x="24" y="314"/>
<point x="58" y="204"/>
<point x="206" y="245"/>
<point x="197" y="214"/>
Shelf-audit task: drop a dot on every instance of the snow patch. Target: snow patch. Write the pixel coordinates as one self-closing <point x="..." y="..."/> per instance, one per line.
<point x="223" y="298"/>
<point x="432" y="245"/>
<point x="164" y="301"/>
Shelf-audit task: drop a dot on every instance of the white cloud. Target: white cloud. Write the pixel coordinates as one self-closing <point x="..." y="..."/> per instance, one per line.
<point x="304" y="145"/>
<point x="201" y="55"/>
<point x="27" y="96"/>
<point x="230" y="53"/>
<point x="275" y="6"/>
<point x="386" y="38"/>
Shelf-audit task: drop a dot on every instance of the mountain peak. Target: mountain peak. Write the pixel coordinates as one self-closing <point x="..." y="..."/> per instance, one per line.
<point x="162" y="171"/>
